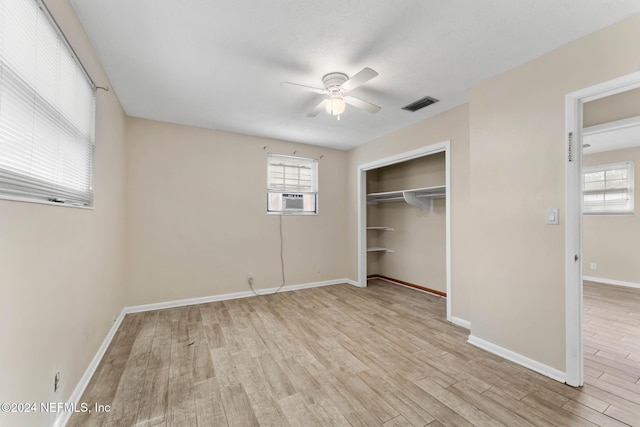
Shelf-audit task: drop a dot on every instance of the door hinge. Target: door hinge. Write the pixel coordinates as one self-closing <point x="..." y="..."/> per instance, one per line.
<point x="570" y="154"/>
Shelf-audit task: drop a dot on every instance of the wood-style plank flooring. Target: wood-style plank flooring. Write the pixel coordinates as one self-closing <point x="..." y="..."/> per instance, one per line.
<point x="340" y="356"/>
<point x="611" y="328"/>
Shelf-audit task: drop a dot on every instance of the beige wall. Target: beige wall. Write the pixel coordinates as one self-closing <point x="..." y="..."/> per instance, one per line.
<point x="517" y="171"/>
<point x="452" y="125"/>
<point x="197" y="221"/>
<point x="610" y="108"/>
<point x="611" y="241"/>
<point x="61" y="269"/>
<point x="419" y="238"/>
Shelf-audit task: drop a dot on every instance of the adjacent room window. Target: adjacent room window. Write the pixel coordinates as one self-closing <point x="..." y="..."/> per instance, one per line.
<point x="47" y="109"/>
<point x="292" y="185"/>
<point x="608" y="189"/>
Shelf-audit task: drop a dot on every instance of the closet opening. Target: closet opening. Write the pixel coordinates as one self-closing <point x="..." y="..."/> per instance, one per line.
<point x="404" y="225"/>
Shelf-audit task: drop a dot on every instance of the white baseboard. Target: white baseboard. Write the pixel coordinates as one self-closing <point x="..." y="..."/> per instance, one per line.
<point x="63" y="417"/>
<point x="519" y="359"/>
<point x="612" y="282"/>
<point x="224" y="297"/>
<point x="354" y="283"/>
<point x="461" y="322"/>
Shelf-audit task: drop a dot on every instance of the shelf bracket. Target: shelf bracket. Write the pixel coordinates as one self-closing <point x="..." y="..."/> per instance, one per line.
<point x="424" y="204"/>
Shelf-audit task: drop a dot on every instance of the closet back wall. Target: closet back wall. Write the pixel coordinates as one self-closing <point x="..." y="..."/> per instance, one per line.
<point x="419" y="238"/>
<point x="197" y="222"/>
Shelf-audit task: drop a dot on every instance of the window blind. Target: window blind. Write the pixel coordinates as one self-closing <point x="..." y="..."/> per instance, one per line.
<point x="47" y="110"/>
<point x="608" y="189"/>
<point x="289" y="173"/>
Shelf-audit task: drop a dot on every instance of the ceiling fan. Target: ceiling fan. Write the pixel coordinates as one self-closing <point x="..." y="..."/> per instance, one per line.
<point x="337" y="86"/>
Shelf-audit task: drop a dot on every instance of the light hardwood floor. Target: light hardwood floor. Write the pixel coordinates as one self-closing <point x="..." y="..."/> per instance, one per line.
<point x="612" y="346"/>
<point x="338" y="356"/>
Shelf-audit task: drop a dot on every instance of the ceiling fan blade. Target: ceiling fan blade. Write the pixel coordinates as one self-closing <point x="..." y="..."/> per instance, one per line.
<point x="307" y="88"/>
<point x="363" y="76"/>
<point x="317" y="109"/>
<point x="364" y="105"/>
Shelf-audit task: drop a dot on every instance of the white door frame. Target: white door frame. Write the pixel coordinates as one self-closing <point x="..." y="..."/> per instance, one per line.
<point x="573" y="233"/>
<point x="362" y="206"/>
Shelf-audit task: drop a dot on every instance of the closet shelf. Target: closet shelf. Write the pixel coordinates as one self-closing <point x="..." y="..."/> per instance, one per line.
<point x="380" y="228"/>
<point x="419" y="197"/>
<point x="378" y="249"/>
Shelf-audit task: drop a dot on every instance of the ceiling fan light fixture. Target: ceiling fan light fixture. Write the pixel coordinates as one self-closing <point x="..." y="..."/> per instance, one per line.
<point x="335" y="105"/>
<point x="337" y="87"/>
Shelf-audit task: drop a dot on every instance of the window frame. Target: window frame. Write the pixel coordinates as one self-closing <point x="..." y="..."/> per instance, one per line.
<point x="629" y="188"/>
<point x="16" y="185"/>
<point x="310" y="193"/>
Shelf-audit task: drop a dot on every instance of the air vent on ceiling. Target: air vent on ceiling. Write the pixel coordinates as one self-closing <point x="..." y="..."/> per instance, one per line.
<point x="420" y="103"/>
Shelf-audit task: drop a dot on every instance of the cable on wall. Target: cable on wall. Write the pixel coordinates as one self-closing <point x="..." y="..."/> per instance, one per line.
<point x="281" y="264"/>
<point x="281" y="256"/>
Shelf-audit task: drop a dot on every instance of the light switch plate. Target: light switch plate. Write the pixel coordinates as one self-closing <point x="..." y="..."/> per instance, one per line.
<point x="552" y="216"/>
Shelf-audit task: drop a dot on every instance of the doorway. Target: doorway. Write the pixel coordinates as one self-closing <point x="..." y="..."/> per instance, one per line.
<point x="574" y="103"/>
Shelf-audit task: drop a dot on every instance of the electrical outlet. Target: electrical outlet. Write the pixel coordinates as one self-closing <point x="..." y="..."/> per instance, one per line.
<point x="594" y="266"/>
<point x="56" y="382"/>
<point x="250" y="279"/>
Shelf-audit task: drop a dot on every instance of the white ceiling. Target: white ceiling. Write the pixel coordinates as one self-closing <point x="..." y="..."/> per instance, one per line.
<point x="219" y="64"/>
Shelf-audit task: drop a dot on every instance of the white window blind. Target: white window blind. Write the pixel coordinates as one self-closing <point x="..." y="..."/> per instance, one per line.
<point x="292" y="184"/>
<point x="47" y="109"/>
<point x="608" y="189"/>
<point x="288" y="173"/>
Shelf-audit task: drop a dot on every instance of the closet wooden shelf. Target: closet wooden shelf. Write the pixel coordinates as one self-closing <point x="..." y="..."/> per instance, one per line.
<point x="380" y="228"/>
<point x="419" y="197"/>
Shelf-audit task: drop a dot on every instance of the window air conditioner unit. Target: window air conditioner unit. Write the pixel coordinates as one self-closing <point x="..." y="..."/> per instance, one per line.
<point x="292" y="202"/>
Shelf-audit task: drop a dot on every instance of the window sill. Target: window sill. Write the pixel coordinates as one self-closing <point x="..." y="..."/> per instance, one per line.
<point x="608" y="213"/>
<point x="293" y="213"/>
<point x="43" y="202"/>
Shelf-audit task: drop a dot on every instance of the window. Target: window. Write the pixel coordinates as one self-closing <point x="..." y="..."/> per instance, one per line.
<point x="292" y="185"/>
<point x="608" y="189"/>
<point x="47" y="108"/>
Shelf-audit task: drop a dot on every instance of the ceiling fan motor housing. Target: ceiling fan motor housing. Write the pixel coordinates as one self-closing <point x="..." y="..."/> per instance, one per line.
<point x="333" y="82"/>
